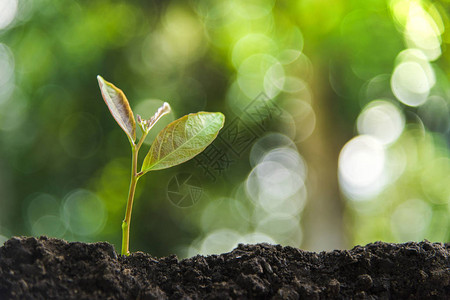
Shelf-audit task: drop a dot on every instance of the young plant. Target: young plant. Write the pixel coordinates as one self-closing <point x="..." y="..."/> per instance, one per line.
<point x="178" y="142"/>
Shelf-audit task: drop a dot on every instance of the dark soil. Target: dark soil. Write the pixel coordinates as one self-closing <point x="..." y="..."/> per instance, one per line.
<point x="48" y="268"/>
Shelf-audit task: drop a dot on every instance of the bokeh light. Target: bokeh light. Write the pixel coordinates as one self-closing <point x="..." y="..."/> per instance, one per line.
<point x="43" y="216"/>
<point x="249" y="45"/>
<point x="49" y="225"/>
<point x="8" y="10"/>
<point x="13" y="111"/>
<point x="219" y="241"/>
<point x="362" y="167"/>
<point x="410" y="83"/>
<point x="422" y="32"/>
<point x="270" y="183"/>
<point x="84" y="212"/>
<point x="181" y="39"/>
<point x="253" y="9"/>
<point x="410" y="220"/>
<point x="6" y="72"/>
<point x="281" y="227"/>
<point x="267" y="143"/>
<point x="225" y="213"/>
<point x="382" y="120"/>
<point x="260" y="73"/>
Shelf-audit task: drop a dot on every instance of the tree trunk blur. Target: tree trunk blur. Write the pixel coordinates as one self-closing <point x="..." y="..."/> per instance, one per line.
<point x="322" y="222"/>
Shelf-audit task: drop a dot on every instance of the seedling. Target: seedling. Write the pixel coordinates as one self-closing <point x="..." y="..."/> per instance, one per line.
<point x="178" y="142"/>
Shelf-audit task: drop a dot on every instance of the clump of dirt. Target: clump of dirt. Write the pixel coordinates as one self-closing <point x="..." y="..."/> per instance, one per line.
<point x="48" y="268"/>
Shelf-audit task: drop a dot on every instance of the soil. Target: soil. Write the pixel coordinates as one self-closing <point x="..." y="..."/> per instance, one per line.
<point x="48" y="268"/>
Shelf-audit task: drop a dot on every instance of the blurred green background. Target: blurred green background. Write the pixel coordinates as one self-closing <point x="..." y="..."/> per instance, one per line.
<point x="337" y="129"/>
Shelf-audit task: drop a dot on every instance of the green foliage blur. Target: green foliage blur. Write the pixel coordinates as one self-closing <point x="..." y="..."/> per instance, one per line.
<point x="338" y="116"/>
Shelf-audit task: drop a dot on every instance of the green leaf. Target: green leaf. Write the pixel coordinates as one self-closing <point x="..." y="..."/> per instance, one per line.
<point x="183" y="139"/>
<point x="119" y="107"/>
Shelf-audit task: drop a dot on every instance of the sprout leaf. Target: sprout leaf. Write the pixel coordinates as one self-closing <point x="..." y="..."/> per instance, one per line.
<point x="119" y="107"/>
<point x="183" y="139"/>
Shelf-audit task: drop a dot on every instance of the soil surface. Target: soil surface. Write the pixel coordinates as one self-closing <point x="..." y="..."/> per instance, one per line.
<point x="48" y="268"/>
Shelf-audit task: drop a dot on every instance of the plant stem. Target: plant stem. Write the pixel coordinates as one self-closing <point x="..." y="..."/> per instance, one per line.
<point x="134" y="179"/>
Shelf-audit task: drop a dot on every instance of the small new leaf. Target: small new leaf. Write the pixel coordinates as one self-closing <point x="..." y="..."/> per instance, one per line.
<point x="163" y="110"/>
<point x="183" y="139"/>
<point x="119" y="107"/>
<point x="146" y="125"/>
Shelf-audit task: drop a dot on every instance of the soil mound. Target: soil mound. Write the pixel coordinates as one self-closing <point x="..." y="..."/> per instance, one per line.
<point x="48" y="268"/>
